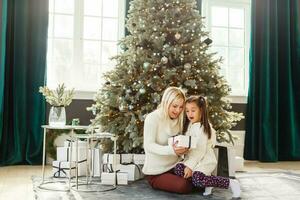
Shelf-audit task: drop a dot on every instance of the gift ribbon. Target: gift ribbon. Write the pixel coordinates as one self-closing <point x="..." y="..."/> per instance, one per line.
<point x="110" y="169"/>
<point x="190" y="140"/>
<point x="60" y="169"/>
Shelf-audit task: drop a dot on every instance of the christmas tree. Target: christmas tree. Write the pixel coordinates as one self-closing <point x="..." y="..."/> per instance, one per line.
<point x="167" y="46"/>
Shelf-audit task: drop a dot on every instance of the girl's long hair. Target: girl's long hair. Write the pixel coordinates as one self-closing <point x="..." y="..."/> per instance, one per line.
<point x="201" y="103"/>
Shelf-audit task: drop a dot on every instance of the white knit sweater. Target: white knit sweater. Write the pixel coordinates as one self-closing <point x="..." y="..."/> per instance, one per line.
<point x="202" y="158"/>
<point x="159" y="157"/>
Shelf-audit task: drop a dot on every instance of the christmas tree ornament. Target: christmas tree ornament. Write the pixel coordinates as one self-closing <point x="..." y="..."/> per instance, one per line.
<point x="128" y="91"/>
<point x="146" y="65"/>
<point x="187" y="66"/>
<point x="164" y="60"/>
<point x="142" y="91"/>
<point x="121" y="108"/>
<point x="177" y="36"/>
<point x="207" y="41"/>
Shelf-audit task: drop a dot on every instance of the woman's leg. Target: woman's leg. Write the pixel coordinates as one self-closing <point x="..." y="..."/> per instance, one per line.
<point x="199" y="179"/>
<point x="170" y="182"/>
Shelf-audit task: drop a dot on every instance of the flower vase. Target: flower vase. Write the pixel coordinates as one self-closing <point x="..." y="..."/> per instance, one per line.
<point x="57" y="116"/>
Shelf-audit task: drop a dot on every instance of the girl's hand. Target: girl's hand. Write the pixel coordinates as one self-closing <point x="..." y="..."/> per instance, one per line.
<point x="187" y="172"/>
<point x="179" y="150"/>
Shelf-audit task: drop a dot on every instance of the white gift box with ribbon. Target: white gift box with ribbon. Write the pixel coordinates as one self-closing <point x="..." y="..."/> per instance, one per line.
<point x="96" y="161"/>
<point x="134" y="171"/>
<point x="183" y="141"/>
<point x="126" y="158"/>
<point x="109" y="158"/>
<point x="62" y="168"/>
<point x="139" y="159"/>
<point x="63" y="153"/>
<point x="68" y="143"/>
<point x="109" y="178"/>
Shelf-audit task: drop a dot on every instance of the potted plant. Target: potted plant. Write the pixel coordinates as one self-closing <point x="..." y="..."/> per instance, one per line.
<point x="58" y="99"/>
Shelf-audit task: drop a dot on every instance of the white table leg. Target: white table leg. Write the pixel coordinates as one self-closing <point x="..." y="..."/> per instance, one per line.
<point x="44" y="155"/>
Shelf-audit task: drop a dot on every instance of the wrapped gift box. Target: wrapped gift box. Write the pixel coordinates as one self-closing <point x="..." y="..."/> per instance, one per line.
<point x="109" y="178"/>
<point x="109" y="158"/>
<point x="139" y="159"/>
<point x="68" y="143"/>
<point x="239" y="164"/>
<point x="134" y="171"/>
<point x="126" y="158"/>
<point x="96" y="161"/>
<point x="183" y="141"/>
<point x="62" y="168"/>
<point x="63" y="153"/>
<point x="226" y="161"/>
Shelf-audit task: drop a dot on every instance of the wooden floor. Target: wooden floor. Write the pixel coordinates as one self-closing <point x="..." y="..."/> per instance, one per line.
<point x="15" y="181"/>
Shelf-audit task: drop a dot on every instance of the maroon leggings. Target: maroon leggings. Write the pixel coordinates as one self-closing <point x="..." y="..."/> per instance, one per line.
<point x="170" y="182"/>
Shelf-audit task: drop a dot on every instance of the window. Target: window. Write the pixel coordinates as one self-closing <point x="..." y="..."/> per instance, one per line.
<point x="228" y="22"/>
<point x="82" y="37"/>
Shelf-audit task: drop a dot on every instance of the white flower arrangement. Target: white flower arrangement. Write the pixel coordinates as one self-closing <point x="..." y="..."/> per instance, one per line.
<point x="58" y="97"/>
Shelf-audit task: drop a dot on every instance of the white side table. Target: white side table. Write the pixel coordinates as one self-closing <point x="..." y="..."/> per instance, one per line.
<point x="67" y="127"/>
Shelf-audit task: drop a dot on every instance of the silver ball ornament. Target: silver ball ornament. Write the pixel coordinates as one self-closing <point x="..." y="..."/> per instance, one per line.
<point x="142" y="91"/>
<point x="187" y="66"/>
<point x="146" y="65"/>
<point x="164" y="60"/>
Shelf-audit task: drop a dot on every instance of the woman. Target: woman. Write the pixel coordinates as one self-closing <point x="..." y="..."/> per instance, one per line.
<point x="162" y="123"/>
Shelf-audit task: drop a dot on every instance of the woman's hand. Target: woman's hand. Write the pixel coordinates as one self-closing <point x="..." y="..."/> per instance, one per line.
<point x="187" y="172"/>
<point x="180" y="150"/>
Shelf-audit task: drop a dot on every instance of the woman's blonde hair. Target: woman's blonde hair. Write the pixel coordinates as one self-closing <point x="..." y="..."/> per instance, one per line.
<point x="170" y="95"/>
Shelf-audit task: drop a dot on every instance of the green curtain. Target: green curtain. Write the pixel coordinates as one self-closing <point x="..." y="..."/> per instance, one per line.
<point x="2" y="54"/>
<point x="273" y="110"/>
<point x="23" y="63"/>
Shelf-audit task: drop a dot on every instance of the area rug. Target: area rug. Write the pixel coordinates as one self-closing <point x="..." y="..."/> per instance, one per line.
<point x="258" y="186"/>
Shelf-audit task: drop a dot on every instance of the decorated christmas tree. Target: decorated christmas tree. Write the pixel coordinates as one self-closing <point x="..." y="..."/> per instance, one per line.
<point x="167" y="46"/>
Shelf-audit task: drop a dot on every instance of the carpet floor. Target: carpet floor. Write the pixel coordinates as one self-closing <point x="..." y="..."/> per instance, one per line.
<point x="257" y="186"/>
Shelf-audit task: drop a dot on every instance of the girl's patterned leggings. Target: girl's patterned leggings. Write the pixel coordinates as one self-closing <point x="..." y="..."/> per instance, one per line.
<point x="199" y="179"/>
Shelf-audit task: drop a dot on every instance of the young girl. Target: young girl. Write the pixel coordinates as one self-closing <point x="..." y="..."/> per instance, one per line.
<point x="200" y="162"/>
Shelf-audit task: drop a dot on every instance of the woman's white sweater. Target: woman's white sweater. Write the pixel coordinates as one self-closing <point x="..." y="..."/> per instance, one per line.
<point x="159" y="157"/>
